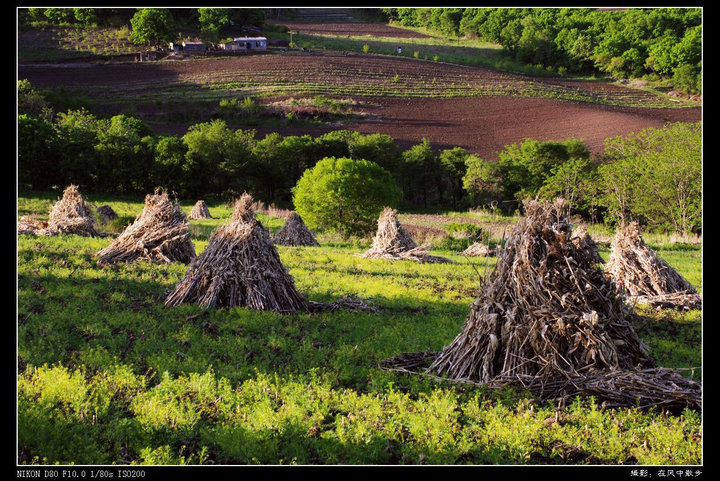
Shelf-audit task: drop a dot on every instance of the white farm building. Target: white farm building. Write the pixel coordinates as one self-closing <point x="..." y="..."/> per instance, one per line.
<point x="245" y="44"/>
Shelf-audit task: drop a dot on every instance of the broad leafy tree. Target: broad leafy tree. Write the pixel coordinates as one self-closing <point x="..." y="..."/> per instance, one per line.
<point x="152" y="26"/>
<point x="344" y="195"/>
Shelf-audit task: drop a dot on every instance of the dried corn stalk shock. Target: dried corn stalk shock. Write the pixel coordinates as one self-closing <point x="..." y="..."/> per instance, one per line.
<point x="644" y="277"/>
<point x="393" y="242"/>
<point x="200" y="211"/>
<point x="71" y="215"/>
<point x="548" y="320"/>
<point x="242" y="267"/>
<point x="295" y="233"/>
<point x="159" y="234"/>
<point x="239" y="267"/>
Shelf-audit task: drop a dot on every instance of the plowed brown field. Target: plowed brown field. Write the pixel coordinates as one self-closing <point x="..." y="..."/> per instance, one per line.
<point x="479" y="109"/>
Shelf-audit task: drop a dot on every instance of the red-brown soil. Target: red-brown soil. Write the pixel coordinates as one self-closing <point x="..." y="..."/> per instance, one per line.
<point x="485" y="125"/>
<point x="486" y="110"/>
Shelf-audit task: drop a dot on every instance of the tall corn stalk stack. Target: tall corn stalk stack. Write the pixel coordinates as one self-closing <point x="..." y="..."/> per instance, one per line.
<point x="200" y="211"/>
<point x="71" y="215"/>
<point x="548" y="320"/>
<point x="644" y="277"/>
<point x="239" y="267"/>
<point x="295" y="233"/>
<point x="159" y="234"/>
<point x="393" y="242"/>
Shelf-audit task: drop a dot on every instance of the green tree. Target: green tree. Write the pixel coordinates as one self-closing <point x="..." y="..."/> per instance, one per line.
<point x="168" y="164"/>
<point x="216" y="158"/>
<point x="569" y="180"/>
<point x="378" y="148"/>
<point x="524" y="168"/>
<point x="482" y="180"/>
<point x="152" y="26"/>
<point x="60" y="16"/>
<point x="655" y="176"/>
<point x="421" y="173"/>
<point x="344" y="195"/>
<point x="32" y="102"/>
<point x="454" y="166"/>
<point x="77" y="133"/>
<point x="212" y="21"/>
<point x="37" y="153"/>
<point x="687" y="78"/>
<point x="123" y="152"/>
<point x="87" y="17"/>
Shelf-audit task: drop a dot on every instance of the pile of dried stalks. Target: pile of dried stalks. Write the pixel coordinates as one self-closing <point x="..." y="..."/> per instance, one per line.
<point x="582" y="240"/>
<point x="28" y="225"/>
<point x="645" y="278"/>
<point x="239" y="267"/>
<point x="545" y="310"/>
<point x="478" y="249"/>
<point x="642" y="388"/>
<point x="71" y="215"/>
<point x="295" y="233"/>
<point x="106" y="214"/>
<point x="159" y="234"/>
<point x="548" y="319"/>
<point x="392" y="242"/>
<point x="200" y="211"/>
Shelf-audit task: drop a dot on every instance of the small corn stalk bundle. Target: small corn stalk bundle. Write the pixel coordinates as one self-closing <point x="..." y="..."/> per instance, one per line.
<point x="106" y="214"/>
<point x="645" y="278"/>
<point x="295" y="233"/>
<point x="239" y="267"/>
<point x="159" y="234"/>
<point x="200" y="211"/>
<point x="393" y="242"/>
<point x="478" y="249"/>
<point x="71" y="215"/>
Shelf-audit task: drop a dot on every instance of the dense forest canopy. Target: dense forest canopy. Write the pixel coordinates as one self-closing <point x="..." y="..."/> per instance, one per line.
<point x="629" y="43"/>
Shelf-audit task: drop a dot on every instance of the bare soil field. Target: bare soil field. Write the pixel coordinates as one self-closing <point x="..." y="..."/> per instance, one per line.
<point x="485" y="125"/>
<point x="475" y="108"/>
<point x="351" y="29"/>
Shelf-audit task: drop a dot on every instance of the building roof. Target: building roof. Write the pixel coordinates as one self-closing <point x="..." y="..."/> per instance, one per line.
<point x="239" y="39"/>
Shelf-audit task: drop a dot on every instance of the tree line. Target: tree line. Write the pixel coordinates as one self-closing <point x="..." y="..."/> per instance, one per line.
<point x="652" y="43"/>
<point x="150" y="26"/>
<point x="653" y="176"/>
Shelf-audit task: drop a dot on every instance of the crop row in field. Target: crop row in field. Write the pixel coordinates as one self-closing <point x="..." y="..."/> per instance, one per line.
<point x="362" y="76"/>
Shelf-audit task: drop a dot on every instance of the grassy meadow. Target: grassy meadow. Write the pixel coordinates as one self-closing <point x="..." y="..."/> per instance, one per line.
<point x="108" y="375"/>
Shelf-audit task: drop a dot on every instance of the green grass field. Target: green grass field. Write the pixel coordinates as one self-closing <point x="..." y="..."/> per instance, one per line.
<point x="108" y="375"/>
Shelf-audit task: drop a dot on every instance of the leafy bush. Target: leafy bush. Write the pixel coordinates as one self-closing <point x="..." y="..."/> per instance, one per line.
<point x="464" y="230"/>
<point x="687" y="78"/>
<point x="244" y="108"/>
<point x="344" y="195"/>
